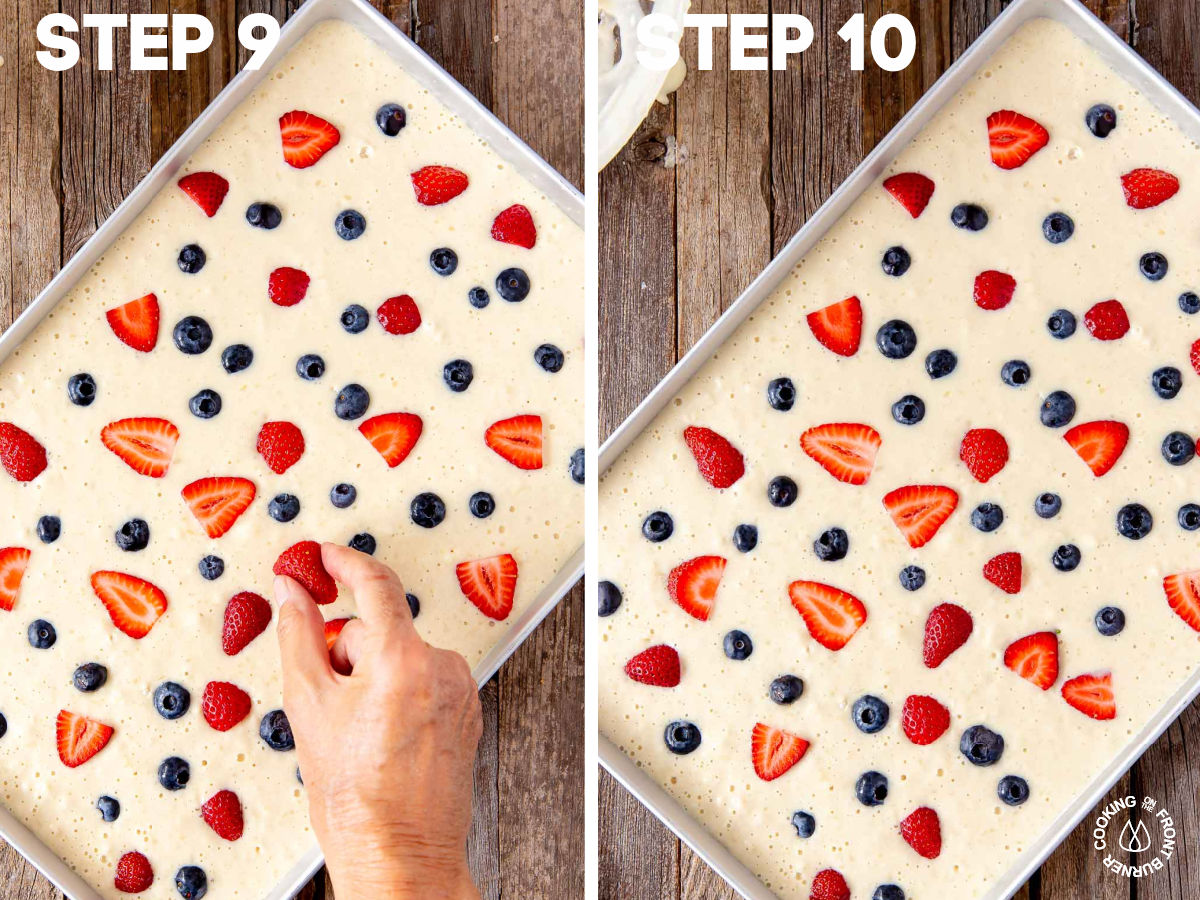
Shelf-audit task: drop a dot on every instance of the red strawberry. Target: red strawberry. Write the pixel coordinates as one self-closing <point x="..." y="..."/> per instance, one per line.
<point x="217" y="502"/>
<point x="281" y="444"/>
<point x="693" y="585"/>
<point x="838" y="326"/>
<point x="399" y="315"/>
<point x="922" y="830"/>
<point x="306" y="138"/>
<point x="994" y="290"/>
<point x="831" y="615"/>
<point x="489" y="584"/>
<point x="223" y="814"/>
<point x="435" y="185"/>
<point x="393" y="435"/>
<point x="133" y="604"/>
<point x="984" y="451"/>
<point x="1014" y="138"/>
<point x="774" y="750"/>
<point x="333" y="630"/>
<point x="911" y="189"/>
<point x="1092" y="695"/>
<point x="946" y="629"/>
<point x="134" y="874"/>
<point x="720" y="463"/>
<point x="224" y="705"/>
<point x="79" y="738"/>
<point x="13" y="562"/>
<point x="287" y="286"/>
<point x="1004" y="571"/>
<point x="1183" y="596"/>
<point x="302" y="561"/>
<point x="846" y="450"/>
<point x="828" y="884"/>
<point x="1099" y="444"/>
<point x="1035" y="658"/>
<point x="20" y="453"/>
<point x="1146" y="188"/>
<point x="246" y="617"/>
<point x="924" y="719"/>
<point x="1195" y="356"/>
<point x="146" y="445"/>
<point x="515" y="226"/>
<point x="1107" y="320"/>
<point x="136" y="323"/>
<point x="519" y="440"/>
<point x="207" y="189"/>
<point x="919" y="510"/>
<point x="657" y="665"/>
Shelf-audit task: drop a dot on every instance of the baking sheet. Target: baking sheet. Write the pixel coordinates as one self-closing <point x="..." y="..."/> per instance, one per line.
<point x="1118" y="55"/>
<point x="477" y="117"/>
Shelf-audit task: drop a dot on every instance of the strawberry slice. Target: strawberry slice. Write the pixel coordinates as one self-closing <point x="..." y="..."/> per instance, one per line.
<point x="333" y="630"/>
<point x="721" y="464"/>
<point x="1183" y="596"/>
<point x="1004" y="571"/>
<point x="21" y="454"/>
<point x="924" y="719"/>
<point x="79" y="738"/>
<point x="911" y="189"/>
<point x="994" y="290"/>
<point x="217" y="502"/>
<point x="1194" y="356"/>
<point x="287" y="286"/>
<point x="393" y="435"/>
<point x="136" y="323"/>
<point x="846" y="450"/>
<point x="1014" y="138"/>
<point x="1099" y="444"/>
<point x="1107" y="320"/>
<point x="302" y="561"/>
<point x="13" y="562"/>
<point x="657" y="666"/>
<point x="515" y="226"/>
<point x="146" y="445"/>
<point x="919" y="510"/>
<point x="133" y="604"/>
<point x="1147" y="188"/>
<point x="946" y="629"/>
<point x="246" y="617"/>
<point x="693" y="585"/>
<point x="489" y="584"/>
<point x="838" y="326"/>
<point x="831" y="615"/>
<point x="1092" y="695"/>
<point x="1035" y="658"/>
<point x="774" y="750"/>
<point x="280" y="444"/>
<point x="435" y="185"/>
<point x="829" y="884"/>
<point x="518" y="440"/>
<point x="222" y="812"/>
<point x="922" y="830"/>
<point x="984" y="451"/>
<point x="306" y="138"/>
<point x="207" y="189"/>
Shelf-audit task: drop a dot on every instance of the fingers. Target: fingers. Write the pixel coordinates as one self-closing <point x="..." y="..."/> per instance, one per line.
<point x="348" y="648"/>
<point x="377" y="590"/>
<point x="301" y="633"/>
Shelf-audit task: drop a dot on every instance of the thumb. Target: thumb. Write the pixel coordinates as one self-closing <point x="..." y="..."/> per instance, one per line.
<point x="301" y="633"/>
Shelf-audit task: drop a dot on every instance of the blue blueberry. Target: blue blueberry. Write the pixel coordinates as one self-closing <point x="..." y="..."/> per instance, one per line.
<point x="1178" y="448"/>
<point x="414" y="604"/>
<point x="1134" y="521"/>
<point x="191" y="882"/>
<point x="351" y="402"/>
<point x="888" y="892"/>
<point x="895" y="261"/>
<point x="343" y="495"/>
<point x="310" y="367"/>
<point x="192" y="259"/>
<point x="1058" y="227"/>
<point x="1058" y="409"/>
<point x="3" y="725"/>
<point x="133" y="535"/>
<point x="786" y="689"/>
<point x="940" y="363"/>
<point x="110" y="808"/>
<point x="804" y="823"/>
<point x="458" y="375"/>
<point x="738" y="645"/>
<point x="284" y="507"/>
<point x="912" y="578"/>
<point x="981" y="746"/>
<point x="1047" y="505"/>
<point x="871" y="789"/>
<point x="211" y="567"/>
<point x="1189" y="516"/>
<point x="513" y="285"/>
<point x="349" y="224"/>
<point x="355" y="318"/>
<point x="896" y="339"/>
<point x="548" y="357"/>
<point x="172" y="700"/>
<point x="478" y="297"/>
<point x="443" y="260"/>
<point x="205" y="404"/>
<point x="658" y="526"/>
<point x="576" y="465"/>
<point x="1013" y="790"/>
<point x="81" y="389"/>
<point x="782" y="491"/>
<point x="427" y="510"/>
<point x="1110" y="621"/>
<point x="608" y="598"/>
<point x="832" y="544"/>
<point x="276" y="731"/>
<point x="41" y="634"/>
<point x="1153" y="266"/>
<point x="1016" y="373"/>
<point x="264" y="215"/>
<point x="870" y="714"/>
<point x="192" y="335"/>
<point x="391" y="119"/>
<point x="1066" y="558"/>
<point x="970" y="216"/>
<point x="174" y="773"/>
<point x="682" y="737"/>
<point x="987" y="517"/>
<point x="1101" y="119"/>
<point x="481" y="504"/>
<point x="49" y="529"/>
<point x="1189" y="302"/>
<point x="89" y="677"/>
<point x="908" y="410"/>
<point x="781" y="394"/>
<point x="1167" y="382"/>
<point x="363" y="542"/>
<point x="1061" y="324"/>
<point x="236" y="358"/>
<point x="745" y="537"/>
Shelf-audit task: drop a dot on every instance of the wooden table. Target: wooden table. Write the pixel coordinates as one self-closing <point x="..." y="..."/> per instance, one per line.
<point x="73" y="145"/>
<point x="677" y="245"/>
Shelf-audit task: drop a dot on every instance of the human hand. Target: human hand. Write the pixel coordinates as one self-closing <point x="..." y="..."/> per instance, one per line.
<point x="387" y="753"/>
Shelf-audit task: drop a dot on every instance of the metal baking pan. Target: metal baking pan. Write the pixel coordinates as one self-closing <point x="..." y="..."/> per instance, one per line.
<point x="477" y="117"/>
<point x="1117" y="54"/>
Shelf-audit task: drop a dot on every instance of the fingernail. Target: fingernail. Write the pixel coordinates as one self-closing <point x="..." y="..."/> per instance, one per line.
<point x="283" y="590"/>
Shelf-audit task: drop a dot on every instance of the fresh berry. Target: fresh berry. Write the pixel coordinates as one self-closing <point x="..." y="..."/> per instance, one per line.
<point x="218" y="502"/>
<point x="804" y="823"/>
<point x="871" y="789"/>
<point x="548" y="357"/>
<point x="828" y="884"/>
<point x="1099" y="444"/>
<point x="281" y="445"/>
<point x="924" y="719"/>
<point x="515" y="226"/>
<point x="310" y="367"/>
<point x="1047" y="505"/>
<point x="89" y="677"/>
<point x="349" y="224"/>
<point x="1194" y="356"/>
<point x="1189" y="302"/>
<point x="133" y="535"/>
<point x="831" y="545"/>
<point x="912" y="578"/>
<point x="1092" y="695"/>
<point x="919" y="510"/>
<point x="1058" y="409"/>
<point x="908" y="410"/>
<point x="399" y="315"/>
<point x="1016" y="373"/>
<point x="478" y="297"/>
<point x="896" y="261"/>
<point x="1066" y="558"/>
<point x="205" y="404"/>
<point x="224" y="705"/>
<point x="207" y="190"/>
<point x="608" y="598"/>
<point x="1012" y="790"/>
<point x="940" y="363"/>
<point x="435" y="185"/>
<point x="970" y="216"/>
<point x="287" y="286"/>
<point x="1134" y="521"/>
<point x="264" y="215"/>
<point x="1014" y="138"/>
<point x="211" y="567"/>
<point x="192" y="335"/>
<point x="1147" y="188"/>
<point x="49" y="529"/>
<point x="838" y="326"/>
<point x="774" y="751"/>
<point x="888" y="892"/>
<point x="1058" y="227"/>
<point x="658" y="526"/>
<point x="393" y="435"/>
<point x="682" y="738"/>
<point x="896" y="339"/>
<point x="458" y="375"/>
<point x="831" y="615"/>
<point x="81" y="389"/>
<point x="987" y="517"/>
<point x="781" y="394"/>
<point x="782" y="491"/>
<point x="222" y="812"/>
<point x="912" y="190"/>
<point x="575" y="465"/>
<point x="513" y="285"/>
<point x="994" y="290"/>
<point x="720" y="463"/>
<point x="946" y="629"/>
<point x="276" y="731"/>
<point x="981" y="746"/>
<point x="870" y="714"/>
<point x="481" y="504"/>
<point x="922" y="830"/>
<point x="20" y="453"/>
<point x="1153" y="266"/>
<point x="984" y="451"/>
<point x="192" y="883"/>
<point x="1107" y="320"/>
<point x="444" y="261"/>
<point x="145" y="445"/>
<point x="737" y="645"/>
<point x="1167" y="382"/>
<point x="657" y="665"/>
<point x="333" y="630"/>
<point x="343" y="495"/>
<point x="172" y="700"/>
<point x="845" y="450"/>
<point x="1035" y="658"/>
<point x="236" y="358"/>
<point x="1110" y="621"/>
<point x="134" y="874"/>
<point x="1183" y="596"/>
<point x="1101" y="119"/>
<point x="1061" y="324"/>
<point x="174" y="773"/>
<point x="302" y="561"/>
<point x="1178" y="448"/>
<point x="110" y="808"/>
<point x="786" y="689"/>
<point x="191" y="259"/>
<point x="306" y="138"/>
<point x="693" y="585"/>
<point x="745" y="537"/>
<point x="518" y="440"/>
<point x="1188" y="517"/>
<point x="490" y="584"/>
<point x="1004" y="571"/>
<point x="427" y="510"/>
<point x="355" y="318"/>
<point x="41" y="634"/>
<point x="391" y="119"/>
<point x="133" y="605"/>
<point x="351" y="402"/>
<point x="246" y="617"/>
<point x="79" y="738"/>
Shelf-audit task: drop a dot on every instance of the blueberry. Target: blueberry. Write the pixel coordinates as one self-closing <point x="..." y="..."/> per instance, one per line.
<point x="895" y="261"/>
<point x="174" y="773"/>
<point x="41" y="634"/>
<point x="786" y="689"/>
<point x="575" y="466"/>
<point x="1013" y="790"/>
<point x="896" y="339"/>
<point x="264" y="215"/>
<point x="192" y="335"/>
<point x="171" y="700"/>
<point x="284" y="507"/>
<point x="1153" y="265"/>
<point x="1189" y="516"/>
<point x="1110" y="621"/>
<point x="205" y="404"/>
<point x="738" y="645"/>
<point x="1166" y="382"/>
<point x="940" y="363"/>
<point x="81" y="389"/>
<point x="682" y="737"/>
<point x="912" y="578"/>
<point x="211" y="567"/>
<point x="981" y="746"/>
<point x="970" y="216"/>
<point x="782" y="491"/>
<point x="1101" y="119"/>
<point x="871" y="788"/>
<point x="1061" y="324"/>
<point x="349" y="224"/>
<point x="276" y="731"/>
<point x="49" y="529"/>
<point x="192" y="259"/>
<point x="458" y="374"/>
<point x="1134" y="521"/>
<point x="478" y="297"/>
<point x="1058" y="409"/>
<point x="1016" y="373"/>
<point x="343" y="495"/>
<point x="427" y="510"/>
<point x="110" y="808"/>
<point x="1189" y="302"/>
<point x="1178" y="448"/>
<point x="236" y="358"/>
<point x="133" y="535"/>
<point x="548" y="357"/>
<point x="908" y="410"/>
<point x="391" y="118"/>
<point x="355" y="318"/>
<point x="1058" y="227"/>
<point x="1066" y="558"/>
<point x="1047" y="505"/>
<point x="363" y="542"/>
<point x="513" y="285"/>
<point x="987" y="517"/>
<point x="3" y="725"/>
<point x="608" y="598"/>
<point x="870" y="714"/>
<point x="481" y="504"/>
<point x="89" y="677"/>
<point x="781" y="394"/>
<point x="831" y="545"/>
<point x="658" y="526"/>
<point x="351" y="402"/>
<point x="804" y="823"/>
<point x="414" y="607"/>
<point x="745" y="537"/>
<point x="310" y="367"/>
<point x="888" y="892"/>
<point x="443" y="260"/>
<point x="191" y="882"/>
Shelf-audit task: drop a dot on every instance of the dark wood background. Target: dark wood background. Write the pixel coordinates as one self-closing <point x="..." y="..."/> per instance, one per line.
<point x="761" y="151"/>
<point x="73" y="145"/>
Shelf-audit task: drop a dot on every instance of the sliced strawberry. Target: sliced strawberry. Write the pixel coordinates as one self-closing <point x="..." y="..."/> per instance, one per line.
<point x="302" y="561"/>
<point x="22" y="456"/>
<point x="490" y="584"/>
<point x="657" y="665"/>
<point x="911" y="189"/>
<point x="518" y="440"/>
<point x="1107" y="320"/>
<point x="133" y="604"/>
<point x="984" y="451"/>
<point x="333" y="630"/>
<point x="435" y="185"/>
<point x="994" y="290"/>
<point x="1092" y="695"/>
<point x="134" y="874"/>
<point x="1146" y="188"/>
<point x="281" y="444"/>
<point x="13" y="562"/>
<point x="1195" y="356"/>
<point x="1035" y="658"/>
<point x="217" y="502"/>
<point x="222" y="812"/>
<point x="287" y="286"/>
<point x="846" y="450"/>
<point x="393" y="435"/>
<point x="246" y="617"/>
<point x="1183" y="596"/>
<point x="828" y="884"/>
<point x="224" y="705"/>
<point x="306" y="138"/>
<point x="922" y="830"/>
<point x="693" y="585"/>
<point x="838" y="326"/>
<point x="136" y="323"/>
<point x="919" y="510"/>
<point x="774" y="750"/>
<point x="515" y="226"/>
<point x="1004" y="571"/>
<point x="1014" y="138"/>
<point x="924" y="719"/>
<point x="79" y="738"/>
<point x="207" y="189"/>
<point x="831" y="615"/>
<point x="720" y="463"/>
<point x="146" y="445"/>
<point x="399" y="315"/>
<point x="1099" y="444"/>
<point x="946" y="629"/>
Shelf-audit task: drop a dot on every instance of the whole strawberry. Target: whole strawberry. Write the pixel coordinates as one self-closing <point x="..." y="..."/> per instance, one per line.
<point x="435" y="185"/>
<point x="946" y="629"/>
<point x="20" y="453"/>
<point x="1107" y="320"/>
<point x="302" y="562"/>
<point x="924" y="719"/>
<point x="828" y="884"/>
<point x="984" y="451"/>
<point x="994" y="290"/>
<point x="399" y="315"/>
<point x="224" y="705"/>
<point x="721" y="464"/>
<point x="657" y="665"/>
<point x="1004" y="571"/>
<point x="515" y="226"/>
<point x="1146" y="188"/>
<point x="281" y="444"/>
<point x="223" y="813"/>
<point x="246" y="617"/>
<point x="922" y="830"/>
<point x="287" y="286"/>
<point x="134" y="874"/>
<point x="912" y="190"/>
